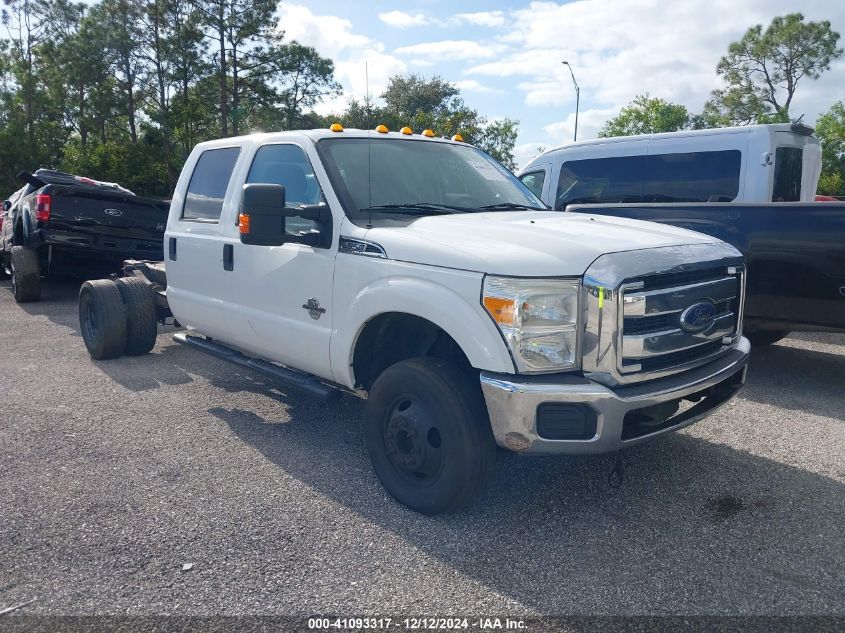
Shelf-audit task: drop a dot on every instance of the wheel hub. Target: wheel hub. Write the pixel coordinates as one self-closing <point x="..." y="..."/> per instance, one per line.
<point x="412" y="441"/>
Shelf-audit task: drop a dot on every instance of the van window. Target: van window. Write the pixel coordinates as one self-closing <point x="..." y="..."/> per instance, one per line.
<point x="679" y="177"/>
<point x="534" y="181"/>
<point x="287" y="165"/>
<point x="204" y="199"/>
<point x="693" y="177"/>
<point x="788" y="171"/>
<point x="617" y="179"/>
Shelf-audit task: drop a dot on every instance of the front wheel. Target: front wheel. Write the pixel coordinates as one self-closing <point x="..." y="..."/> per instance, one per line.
<point x="428" y="435"/>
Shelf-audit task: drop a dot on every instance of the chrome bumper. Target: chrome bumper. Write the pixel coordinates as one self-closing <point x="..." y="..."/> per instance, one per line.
<point x="623" y="416"/>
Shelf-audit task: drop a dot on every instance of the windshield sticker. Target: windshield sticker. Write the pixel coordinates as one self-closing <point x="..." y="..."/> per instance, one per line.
<point x="487" y="170"/>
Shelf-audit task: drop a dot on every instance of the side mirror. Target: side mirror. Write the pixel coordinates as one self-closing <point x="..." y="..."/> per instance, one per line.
<point x="263" y="214"/>
<point x="7" y="204"/>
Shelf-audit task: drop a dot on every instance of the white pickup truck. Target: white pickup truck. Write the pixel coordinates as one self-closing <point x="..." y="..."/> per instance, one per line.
<point x="421" y="275"/>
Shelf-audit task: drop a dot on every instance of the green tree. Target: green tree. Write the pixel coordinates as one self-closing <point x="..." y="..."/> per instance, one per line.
<point x="498" y="139"/>
<point x="647" y="115"/>
<point x="763" y="69"/>
<point x="830" y="128"/>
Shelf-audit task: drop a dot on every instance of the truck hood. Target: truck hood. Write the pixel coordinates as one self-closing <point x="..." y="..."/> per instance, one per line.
<point x="524" y="243"/>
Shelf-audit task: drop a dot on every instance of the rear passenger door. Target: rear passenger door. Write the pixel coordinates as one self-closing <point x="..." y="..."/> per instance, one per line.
<point x="197" y="292"/>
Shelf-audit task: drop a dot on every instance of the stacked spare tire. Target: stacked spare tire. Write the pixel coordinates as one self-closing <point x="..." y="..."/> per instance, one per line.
<point x="117" y="317"/>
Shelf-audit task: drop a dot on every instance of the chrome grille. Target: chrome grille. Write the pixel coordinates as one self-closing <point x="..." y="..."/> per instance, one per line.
<point x="653" y="334"/>
<point x="635" y="302"/>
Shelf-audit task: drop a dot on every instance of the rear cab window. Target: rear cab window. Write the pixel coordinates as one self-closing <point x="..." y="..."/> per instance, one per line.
<point x="208" y="184"/>
<point x="789" y="167"/>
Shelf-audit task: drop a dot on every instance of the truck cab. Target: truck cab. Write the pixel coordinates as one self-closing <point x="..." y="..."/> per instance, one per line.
<point x="419" y="274"/>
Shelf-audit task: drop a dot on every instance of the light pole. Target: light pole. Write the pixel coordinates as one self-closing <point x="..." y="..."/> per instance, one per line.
<point x="577" y="98"/>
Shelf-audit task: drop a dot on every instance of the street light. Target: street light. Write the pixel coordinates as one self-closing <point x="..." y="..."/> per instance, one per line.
<point x="577" y="97"/>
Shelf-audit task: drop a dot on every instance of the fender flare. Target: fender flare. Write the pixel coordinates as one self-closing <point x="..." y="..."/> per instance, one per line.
<point x="468" y="324"/>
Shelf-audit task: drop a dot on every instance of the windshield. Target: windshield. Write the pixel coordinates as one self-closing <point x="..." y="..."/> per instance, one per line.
<point x="415" y="178"/>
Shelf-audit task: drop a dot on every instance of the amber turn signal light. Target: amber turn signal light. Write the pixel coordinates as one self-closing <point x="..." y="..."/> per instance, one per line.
<point x="243" y="223"/>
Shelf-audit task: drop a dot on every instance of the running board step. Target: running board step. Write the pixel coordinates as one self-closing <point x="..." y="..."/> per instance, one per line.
<point x="303" y="382"/>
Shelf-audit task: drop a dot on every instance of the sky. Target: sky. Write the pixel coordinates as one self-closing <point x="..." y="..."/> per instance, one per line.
<point x="506" y="56"/>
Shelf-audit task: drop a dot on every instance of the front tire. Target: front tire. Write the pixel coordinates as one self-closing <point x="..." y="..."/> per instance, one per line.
<point x="26" y="274"/>
<point x="102" y="319"/>
<point x="428" y="435"/>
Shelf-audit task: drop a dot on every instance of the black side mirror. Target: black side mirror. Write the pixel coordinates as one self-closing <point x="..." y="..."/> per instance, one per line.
<point x="7" y="204"/>
<point x="263" y="214"/>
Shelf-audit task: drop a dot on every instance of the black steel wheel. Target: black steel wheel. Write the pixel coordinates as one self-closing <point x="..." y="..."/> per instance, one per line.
<point x="428" y="435"/>
<point x="102" y="319"/>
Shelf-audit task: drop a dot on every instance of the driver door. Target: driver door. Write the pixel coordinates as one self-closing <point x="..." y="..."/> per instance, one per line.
<point x="290" y="307"/>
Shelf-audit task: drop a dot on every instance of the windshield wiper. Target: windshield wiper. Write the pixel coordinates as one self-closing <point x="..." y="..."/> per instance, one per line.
<point x="418" y="208"/>
<point x="510" y="206"/>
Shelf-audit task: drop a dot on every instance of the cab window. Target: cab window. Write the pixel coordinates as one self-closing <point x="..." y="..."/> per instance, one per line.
<point x="788" y="171"/>
<point x="207" y="188"/>
<point x="287" y="165"/>
<point x="534" y="181"/>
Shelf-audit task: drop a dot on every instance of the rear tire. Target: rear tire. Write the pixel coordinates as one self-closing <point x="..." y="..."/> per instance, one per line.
<point x="428" y="435"/>
<point x="141" y="323"/>
<point x="26" y="274"/>
<point x="761" y="338"/>
<point x="102" y="319"/>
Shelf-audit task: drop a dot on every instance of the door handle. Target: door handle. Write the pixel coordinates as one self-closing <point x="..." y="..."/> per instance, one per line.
<point x="171" y="247"/>
<point x="228" y="257"/>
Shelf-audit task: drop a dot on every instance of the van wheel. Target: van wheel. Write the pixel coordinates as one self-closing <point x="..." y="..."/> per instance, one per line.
<point x="141" y="323"/>
<point x="26" y="274"/>
<point x="428" y="435"/>
<point x="102" y="319"/>
<point x="761" y="338"/>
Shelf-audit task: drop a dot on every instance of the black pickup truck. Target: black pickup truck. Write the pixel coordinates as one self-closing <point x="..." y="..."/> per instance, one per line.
<point x="795" y="257"/>
<point x="60" y="223"/>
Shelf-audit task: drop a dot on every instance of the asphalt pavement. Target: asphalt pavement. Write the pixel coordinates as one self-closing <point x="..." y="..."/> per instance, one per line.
<point x="174" y="483"/>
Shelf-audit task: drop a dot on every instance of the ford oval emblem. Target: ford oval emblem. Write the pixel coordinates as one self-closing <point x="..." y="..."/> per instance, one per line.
<point x="698" y="317"/>
<point x="113" y="212"/>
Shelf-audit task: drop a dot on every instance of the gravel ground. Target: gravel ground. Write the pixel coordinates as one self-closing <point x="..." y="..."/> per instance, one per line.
<point x="113" y="475"/>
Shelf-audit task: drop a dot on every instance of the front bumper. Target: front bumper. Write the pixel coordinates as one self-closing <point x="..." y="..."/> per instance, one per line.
<point x="622" y="416"/>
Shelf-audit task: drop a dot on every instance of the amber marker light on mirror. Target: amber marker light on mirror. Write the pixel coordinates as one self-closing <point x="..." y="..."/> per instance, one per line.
<point x="243" y="223"/>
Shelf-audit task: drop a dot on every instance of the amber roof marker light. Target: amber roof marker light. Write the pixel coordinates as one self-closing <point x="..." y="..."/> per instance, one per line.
<point x="406" y="130"/>
<point x="429" y="133"/>
<point x="336" y="127"/>
<point x="458" y="138"/>
<point x="382" y="129"/>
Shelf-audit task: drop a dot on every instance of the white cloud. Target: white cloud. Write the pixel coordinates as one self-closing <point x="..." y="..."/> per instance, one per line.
<point x="589" y="123"/>
<point x="524" y="152"/>
<point x="621" y="48"/>
<point x="473" y="85"/>
<point x="490" y="19"/>
<point x="351" y="52"/>
<point x="402" y="20"/>
<point x="446" y="50"/>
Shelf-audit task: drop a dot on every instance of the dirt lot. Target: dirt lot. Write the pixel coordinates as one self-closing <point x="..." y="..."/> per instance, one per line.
<point x="113" y="475"/>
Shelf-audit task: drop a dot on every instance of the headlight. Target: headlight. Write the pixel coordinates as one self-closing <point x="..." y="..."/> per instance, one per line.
<point x="538" y="318"/>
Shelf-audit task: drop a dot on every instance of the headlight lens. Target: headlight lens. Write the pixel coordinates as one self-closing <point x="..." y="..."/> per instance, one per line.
<point x="538" y="318"/>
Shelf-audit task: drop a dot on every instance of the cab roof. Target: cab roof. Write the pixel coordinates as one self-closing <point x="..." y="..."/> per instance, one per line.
<point x="319" y="134"/>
